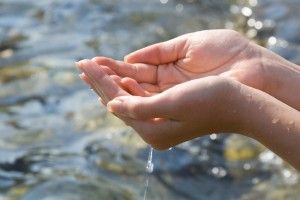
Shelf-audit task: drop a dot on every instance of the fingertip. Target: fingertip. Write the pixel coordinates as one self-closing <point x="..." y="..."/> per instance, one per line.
<point x="84" y="78"/>
<point x="82" y="63"/>
<point x="95" y="59"/>
<point x="76" y="63"/>
<point x="102" y="101"/>
<point x="81" y="76"/>
<point x="115" y="106"/>
<point x="126" y="58"/>
<point x="129" y="58"/>
<point x="116" y="78"/>
<point x="133" y="87"/>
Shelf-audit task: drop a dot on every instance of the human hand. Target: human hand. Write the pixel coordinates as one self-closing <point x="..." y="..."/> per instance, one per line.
<point x="155" y="118"/>
<point x="183" y="112"/>
<point x="198" y="107"/>
<point x="226" y="53"/>
<point x="190" y="56"/>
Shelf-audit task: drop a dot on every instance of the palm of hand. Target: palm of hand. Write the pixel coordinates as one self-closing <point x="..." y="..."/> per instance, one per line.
<point x="195" y="55"/>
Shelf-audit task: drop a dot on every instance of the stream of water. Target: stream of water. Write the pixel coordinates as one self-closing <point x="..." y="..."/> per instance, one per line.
<point x="149" y="170"/>
<point x="57" y="142"/>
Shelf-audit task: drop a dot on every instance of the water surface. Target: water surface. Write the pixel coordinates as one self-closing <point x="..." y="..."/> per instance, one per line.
<point x="57" y="142"/>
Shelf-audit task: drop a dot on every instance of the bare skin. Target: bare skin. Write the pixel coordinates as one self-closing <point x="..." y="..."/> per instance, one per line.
<point x="206" y="53"/>
<point x="188" y="98"/>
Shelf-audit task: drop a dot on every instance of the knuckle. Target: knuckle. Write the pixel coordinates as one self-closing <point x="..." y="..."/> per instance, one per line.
<point x="135" y="110"/>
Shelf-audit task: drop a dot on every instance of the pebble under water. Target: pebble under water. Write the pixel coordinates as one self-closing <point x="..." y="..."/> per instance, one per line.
<point x="57" y="142"/>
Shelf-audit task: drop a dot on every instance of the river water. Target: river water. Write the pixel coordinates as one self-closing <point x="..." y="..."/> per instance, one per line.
<point x="57" y="142"/>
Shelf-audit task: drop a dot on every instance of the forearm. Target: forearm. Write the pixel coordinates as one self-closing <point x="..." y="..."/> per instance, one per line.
<point x="282" y="79"/>
<point x="273" y="123"/>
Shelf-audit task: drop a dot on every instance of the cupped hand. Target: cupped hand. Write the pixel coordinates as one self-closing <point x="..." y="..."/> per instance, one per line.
<point x="212" y="52"/>
<point x="183" y="112"/>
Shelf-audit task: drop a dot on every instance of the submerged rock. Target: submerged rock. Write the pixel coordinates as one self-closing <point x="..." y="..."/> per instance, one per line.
<point x="73" y="189"/>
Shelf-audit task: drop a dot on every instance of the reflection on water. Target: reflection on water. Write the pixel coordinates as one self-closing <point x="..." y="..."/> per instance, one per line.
<point x="55" y="137"/>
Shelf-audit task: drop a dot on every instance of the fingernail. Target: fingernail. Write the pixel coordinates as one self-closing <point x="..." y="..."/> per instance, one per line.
<point x="114" y="106"/>
<point x="78" y="65"/>
<point x="94" y="59"/>
<point x="81" y="75"/>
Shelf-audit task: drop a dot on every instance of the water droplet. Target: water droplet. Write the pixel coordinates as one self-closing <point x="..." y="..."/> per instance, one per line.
<point x="275" y="120"/>
<point x="213" y="136"/>
<point x="290" y="125"/>
<point x="149" y="167"/>
<point x="149" y="170"/>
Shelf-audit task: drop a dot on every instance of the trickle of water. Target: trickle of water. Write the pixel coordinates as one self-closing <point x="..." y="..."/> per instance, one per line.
<point x="149" y="170"/>
<point x="149" y="165"/>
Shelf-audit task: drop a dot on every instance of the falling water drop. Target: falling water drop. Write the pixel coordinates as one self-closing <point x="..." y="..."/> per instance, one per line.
<point x="149" y="170"/>
<point x="149" y="165"/>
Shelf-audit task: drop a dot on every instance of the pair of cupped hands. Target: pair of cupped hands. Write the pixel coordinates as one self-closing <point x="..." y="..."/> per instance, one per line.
<point x="189" y="86"/>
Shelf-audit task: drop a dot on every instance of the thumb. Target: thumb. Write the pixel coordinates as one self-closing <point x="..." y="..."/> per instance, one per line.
<point x="141" y="107"/>
<point x="160" y="53"/>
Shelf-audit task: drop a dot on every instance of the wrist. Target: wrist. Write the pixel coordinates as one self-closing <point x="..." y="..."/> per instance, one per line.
<point x="235" y="108"/>
<point x="248" y="105"/>
<point x="282" y="79"/>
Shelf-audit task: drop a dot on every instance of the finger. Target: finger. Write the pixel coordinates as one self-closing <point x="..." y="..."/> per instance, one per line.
<point x="151" y="88"/>
<point x="101" y="82"/>
<point x="88" y="82"/>
<point x="160" y="53"/>
<point x="108" y="70"/>
<point x="133" y="87"/>
<point x="86" y="79"/>
<point x="102" y="101"/>
<point x="136" y="107"/>
<point x="117" y="79"/>
<point x="139" y="72"/>
<point x="83" y="77"/>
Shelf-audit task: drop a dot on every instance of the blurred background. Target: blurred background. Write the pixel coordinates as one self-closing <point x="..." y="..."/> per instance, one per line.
<point x="57" y="142"/>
